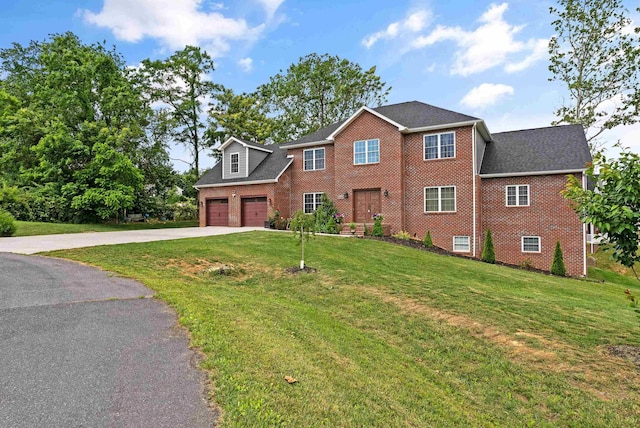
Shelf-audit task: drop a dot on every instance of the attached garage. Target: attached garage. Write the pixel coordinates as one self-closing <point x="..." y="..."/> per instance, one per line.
<point x="254" y="211"/>
<point x="218" y="212"/>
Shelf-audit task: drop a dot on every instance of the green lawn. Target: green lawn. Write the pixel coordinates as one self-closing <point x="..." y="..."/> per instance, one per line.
<point x="388" y="336"/>
<point x="31" y="228"/>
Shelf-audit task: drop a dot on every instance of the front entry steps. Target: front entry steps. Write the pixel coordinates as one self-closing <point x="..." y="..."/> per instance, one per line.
<point x="386" y="228"/>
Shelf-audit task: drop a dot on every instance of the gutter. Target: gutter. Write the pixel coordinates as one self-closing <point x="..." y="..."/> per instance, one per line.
<point x="310" y="144"/>
<point x="527" y="173"/>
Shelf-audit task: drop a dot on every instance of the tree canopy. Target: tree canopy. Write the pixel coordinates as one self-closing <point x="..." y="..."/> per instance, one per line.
<point x="596" y="54"/>
<point x="614" y="205"/>
<point x="317" y="91"/>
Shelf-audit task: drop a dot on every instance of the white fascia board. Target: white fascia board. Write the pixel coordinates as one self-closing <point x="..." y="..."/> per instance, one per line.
<point x="358" y="113"/>
<point x="234" y="139"/>
<point x="484" y="131"/>
<point x="529" y="173"/>
<point x="309" y="144"/>
<point x="285" y="168"/>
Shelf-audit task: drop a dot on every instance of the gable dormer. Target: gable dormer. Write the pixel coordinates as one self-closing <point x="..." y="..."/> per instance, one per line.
<point x="241" y="157"/>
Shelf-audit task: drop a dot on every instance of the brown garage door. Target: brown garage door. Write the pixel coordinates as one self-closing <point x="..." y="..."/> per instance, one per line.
<point x="218" y="212"/>
<point x="254" y="211"/>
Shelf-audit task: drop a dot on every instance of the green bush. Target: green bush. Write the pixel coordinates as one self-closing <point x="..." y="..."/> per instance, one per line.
<point x="377" y="226"/>
<point x="403" y="235"/>
<point x="324" y="213"/>
<point x="557" y="267"/>
<point x="427" y="240"/>
<point x="332" y="227"/>
<point x="7" y="224"/>
<point x="488" y="252"/>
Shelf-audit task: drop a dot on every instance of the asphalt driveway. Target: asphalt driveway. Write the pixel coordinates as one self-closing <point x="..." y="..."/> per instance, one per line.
<point x="40" y="243"/>
<point x="81" y="347"/>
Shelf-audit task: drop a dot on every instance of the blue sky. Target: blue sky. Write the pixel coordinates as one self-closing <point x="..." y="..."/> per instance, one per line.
<point x="482" y="58"/>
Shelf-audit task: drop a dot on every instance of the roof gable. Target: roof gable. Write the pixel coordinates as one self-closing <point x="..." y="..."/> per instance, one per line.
<point x="245" y="143"/>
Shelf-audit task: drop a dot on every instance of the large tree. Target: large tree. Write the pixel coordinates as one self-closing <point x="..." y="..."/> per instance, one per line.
<point x="614" y="205"/>
<point x="78" y="109"/>
<point x="241" y="116"/>
<point x="596" y="54"/>
<point x="181" y="84"/>
<point x="317" y="91"/>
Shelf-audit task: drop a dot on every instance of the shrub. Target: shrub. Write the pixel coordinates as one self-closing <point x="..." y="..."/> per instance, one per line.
<point x="377" y="225"/>
<point x="488" y="252"/>
<point x="7" y="224"/>
<point x="332" y="227"/>
<point x="366" y="229"/>
<point x="403" y="235"/>
<point x="324" y="213"/>
<point x="427" y="240"/>
<point x="557" y="267"/>
<point x="526" y="264"/>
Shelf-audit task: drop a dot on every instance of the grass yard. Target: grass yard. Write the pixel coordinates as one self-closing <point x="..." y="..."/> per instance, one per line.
<point x="388" y="336"/>
<point x="31" y="228"/>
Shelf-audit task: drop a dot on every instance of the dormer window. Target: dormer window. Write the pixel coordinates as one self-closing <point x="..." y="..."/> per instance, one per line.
<point x="440" y="146"/>
<point x="235" y="163"/>
<point x="314" y="159"/>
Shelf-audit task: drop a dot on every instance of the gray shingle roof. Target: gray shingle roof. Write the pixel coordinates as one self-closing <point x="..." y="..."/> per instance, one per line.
<point x="411" y="114"/>
<point x="257" y="145"/>
<point x="268" y="169"/>
<point x="555" y="148"/>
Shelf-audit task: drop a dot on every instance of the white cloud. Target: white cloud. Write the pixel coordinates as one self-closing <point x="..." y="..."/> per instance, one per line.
<point x="175" y="23"/>
<point x="246" y="64"/>
<point x="413" y="23"/>
<point x="270" y="6"/>
<point x="486" y="95"/>
<point x="488" y="46"/>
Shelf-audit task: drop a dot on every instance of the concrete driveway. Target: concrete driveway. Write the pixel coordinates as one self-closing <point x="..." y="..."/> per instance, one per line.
<point x="38" y="244"/>
<point x="81" y="347"/>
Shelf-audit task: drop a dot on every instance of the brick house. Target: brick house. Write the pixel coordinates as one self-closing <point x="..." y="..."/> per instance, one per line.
<point x="425" y="169"/>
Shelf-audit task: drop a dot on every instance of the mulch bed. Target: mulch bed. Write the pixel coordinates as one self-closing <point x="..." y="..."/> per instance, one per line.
<point x="296" y="269"/>
<point x="628" y="352"/>
<point x="418" y="245"/>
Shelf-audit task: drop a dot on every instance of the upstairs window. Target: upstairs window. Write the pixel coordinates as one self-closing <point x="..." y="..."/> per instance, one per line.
<point x="367" y="151"/>
<point x="518" y="196"/>
<point x="440" y="146"/>
<point x="312" y="201"/>
<point x="314" y="159"/>
<point x="439" y="199"/>
<point x="235" y="163"/>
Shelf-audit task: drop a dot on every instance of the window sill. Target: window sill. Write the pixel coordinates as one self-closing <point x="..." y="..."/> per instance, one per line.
<point x="438" y="159"/>
<point x="439" y="212"/>
<point x="365" y="164"/>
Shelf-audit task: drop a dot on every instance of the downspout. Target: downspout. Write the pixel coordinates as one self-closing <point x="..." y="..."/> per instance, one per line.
<point x="584" y="233"/>
<point x="473" y="147"/>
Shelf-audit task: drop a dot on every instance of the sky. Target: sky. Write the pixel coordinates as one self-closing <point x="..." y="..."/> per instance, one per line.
<point x="481" y="58"/>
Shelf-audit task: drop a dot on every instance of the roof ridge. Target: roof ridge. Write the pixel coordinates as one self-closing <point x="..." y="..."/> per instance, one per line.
<point x="537" y="128"/>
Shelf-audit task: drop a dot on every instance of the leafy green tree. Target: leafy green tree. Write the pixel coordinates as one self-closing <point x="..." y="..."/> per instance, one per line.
<point x="557" y="267"/>
<point x="181" y="83"/>
<point x="488" y="252"/>
<point x="598" y="60"/>
<point x="7" y="223"/>
<point x="241" y="116"/>
<point x="614" y="206"/>
<point x="317" y="91"/>
<point x="303" y="227"/>
<point x="324" y="213"/>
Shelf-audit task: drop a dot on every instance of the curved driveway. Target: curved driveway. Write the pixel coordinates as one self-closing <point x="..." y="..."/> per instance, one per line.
<point x="38" y="244"/>
<point x="80" y="347"/>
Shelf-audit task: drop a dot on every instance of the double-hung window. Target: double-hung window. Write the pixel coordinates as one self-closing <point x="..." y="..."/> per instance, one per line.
<point x="518" y="196"/>
<point x="314" y="159"/>
<point x="440" y="199"/>
<point x="366" y="151"/>
<point x="312" y="201"/>
<point x="530" y="244"/>
<point x="235" y="163"/>
<point x="440" y="146"/>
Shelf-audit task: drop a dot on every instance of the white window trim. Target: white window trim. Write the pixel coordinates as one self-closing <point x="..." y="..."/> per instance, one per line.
<point x="455" y="152"/>
<point x="539" y="244"/>
<point x="517" y="186"/>
<point x="231" y="163"/>
<point x="468" y="250"/>
<point x="366" y="151"/>
<point x="313" y="150"/>
<point x="314" y="201"/>
<point x="455" y="199"/>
